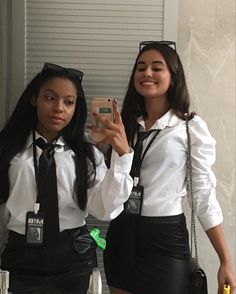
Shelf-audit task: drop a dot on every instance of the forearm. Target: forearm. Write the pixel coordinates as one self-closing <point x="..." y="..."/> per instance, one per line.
<point x="216" y="236"/>
<point x="225" y="274"/>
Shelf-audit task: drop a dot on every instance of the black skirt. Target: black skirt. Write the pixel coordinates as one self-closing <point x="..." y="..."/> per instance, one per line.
<point x="148" y="254"/>
<point x="66" y="268"/>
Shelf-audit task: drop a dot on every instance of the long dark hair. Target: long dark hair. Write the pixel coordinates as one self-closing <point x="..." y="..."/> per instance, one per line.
<point x="178" y="96"/>
<point x="14" y="135"/>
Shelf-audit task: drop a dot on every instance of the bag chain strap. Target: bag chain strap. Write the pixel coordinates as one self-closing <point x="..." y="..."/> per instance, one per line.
<point x="190" y="192"/>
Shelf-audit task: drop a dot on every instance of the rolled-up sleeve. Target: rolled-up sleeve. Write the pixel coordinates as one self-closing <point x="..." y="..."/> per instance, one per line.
<point x="112" y="186"/>
<point x="203" y="178"/>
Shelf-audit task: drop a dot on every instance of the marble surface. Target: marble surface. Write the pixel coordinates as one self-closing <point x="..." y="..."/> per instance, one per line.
<point x="206" y="34"/>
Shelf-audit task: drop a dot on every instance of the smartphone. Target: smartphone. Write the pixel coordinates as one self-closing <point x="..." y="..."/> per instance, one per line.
<point x="103" y="106"/>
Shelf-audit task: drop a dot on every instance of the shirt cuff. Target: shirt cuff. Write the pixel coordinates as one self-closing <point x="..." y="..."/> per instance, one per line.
<point x="209" y="221"/>
<point x="122" y="164"/>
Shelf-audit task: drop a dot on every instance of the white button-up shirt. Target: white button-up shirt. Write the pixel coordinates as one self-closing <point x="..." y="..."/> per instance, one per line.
<point x="105" y="199"/>
<point x="163" y="170"/>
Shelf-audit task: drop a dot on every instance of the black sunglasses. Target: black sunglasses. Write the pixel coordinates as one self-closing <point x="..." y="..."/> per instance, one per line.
<point x="172" y="44"/>
<point x="54" y="67"/>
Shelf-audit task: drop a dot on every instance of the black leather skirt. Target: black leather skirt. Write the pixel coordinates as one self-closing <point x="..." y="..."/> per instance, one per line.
<point x="66" y="268"/>
<point x="148" y="254"/>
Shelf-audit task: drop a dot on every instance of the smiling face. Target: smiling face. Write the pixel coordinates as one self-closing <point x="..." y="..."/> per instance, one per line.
<point x="152" y="77"/>
<point x="55" y="106"/>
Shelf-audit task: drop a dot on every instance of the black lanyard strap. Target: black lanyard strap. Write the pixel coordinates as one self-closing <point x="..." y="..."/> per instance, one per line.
<point x="138" y="157"/>
<point x="149" y="144"/>
<point x="36" y="169"/>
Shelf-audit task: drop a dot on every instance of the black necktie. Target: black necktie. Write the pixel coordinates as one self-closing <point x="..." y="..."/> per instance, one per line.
<point x="138" y="148"/>
<point x="47" y="192"/>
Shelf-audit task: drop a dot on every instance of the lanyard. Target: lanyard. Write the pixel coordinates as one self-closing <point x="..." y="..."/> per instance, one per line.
<point x="36" y="169"/>
<point x="149" y="145"/>
<point x="138" y="166"/>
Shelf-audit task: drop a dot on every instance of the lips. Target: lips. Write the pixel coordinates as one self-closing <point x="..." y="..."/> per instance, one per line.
<point x="56" y="118"/>
<point x="148" y="83"/>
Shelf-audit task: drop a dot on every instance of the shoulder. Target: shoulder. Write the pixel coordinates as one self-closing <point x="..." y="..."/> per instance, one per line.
<point x="198" y="124"/>
<point x="198" y="121"/>
<point x="199" y="131"/>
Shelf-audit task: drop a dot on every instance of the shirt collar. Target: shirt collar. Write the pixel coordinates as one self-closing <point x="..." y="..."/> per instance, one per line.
<point x="169" y="119"/>
<point x="29" y="141"/>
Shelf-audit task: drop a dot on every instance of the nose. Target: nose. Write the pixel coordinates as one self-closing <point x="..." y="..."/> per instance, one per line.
<point x="58" y="106"/>
<point x="148" y="72"/>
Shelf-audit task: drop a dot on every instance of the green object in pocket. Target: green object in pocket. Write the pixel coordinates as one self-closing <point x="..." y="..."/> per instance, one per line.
<point x="101" y="242"/>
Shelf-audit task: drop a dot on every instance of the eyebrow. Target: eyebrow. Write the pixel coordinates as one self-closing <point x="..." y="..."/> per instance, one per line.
<point x="153" y="62"/>
<point x="51" y="90"/>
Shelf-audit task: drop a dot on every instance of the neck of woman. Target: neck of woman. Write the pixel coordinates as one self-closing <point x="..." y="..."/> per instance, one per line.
<point x="155" y="109"/>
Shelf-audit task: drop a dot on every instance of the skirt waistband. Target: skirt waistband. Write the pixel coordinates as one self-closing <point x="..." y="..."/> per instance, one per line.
<point x="16" y="238"/>
<point x="180" y="218"/>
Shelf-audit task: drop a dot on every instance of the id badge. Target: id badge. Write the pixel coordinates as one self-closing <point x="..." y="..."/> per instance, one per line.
<point x="34" y="228"/>
<point x="134" y="204"/>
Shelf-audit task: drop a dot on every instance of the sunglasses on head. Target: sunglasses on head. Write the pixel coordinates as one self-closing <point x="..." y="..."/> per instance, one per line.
<point x="54" y="67"/>
<point x="172" y="44"/>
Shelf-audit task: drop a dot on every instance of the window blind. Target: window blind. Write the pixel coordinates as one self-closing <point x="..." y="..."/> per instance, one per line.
<point x="98" y="37"/>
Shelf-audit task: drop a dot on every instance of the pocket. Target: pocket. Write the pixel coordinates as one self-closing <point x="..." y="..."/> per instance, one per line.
<point x="83" y="242"/>
<point x="13" y="255"/>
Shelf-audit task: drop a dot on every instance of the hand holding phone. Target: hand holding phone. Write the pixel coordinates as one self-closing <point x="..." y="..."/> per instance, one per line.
<point x="104" y="107"/>
<point x="107" y="125"/>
